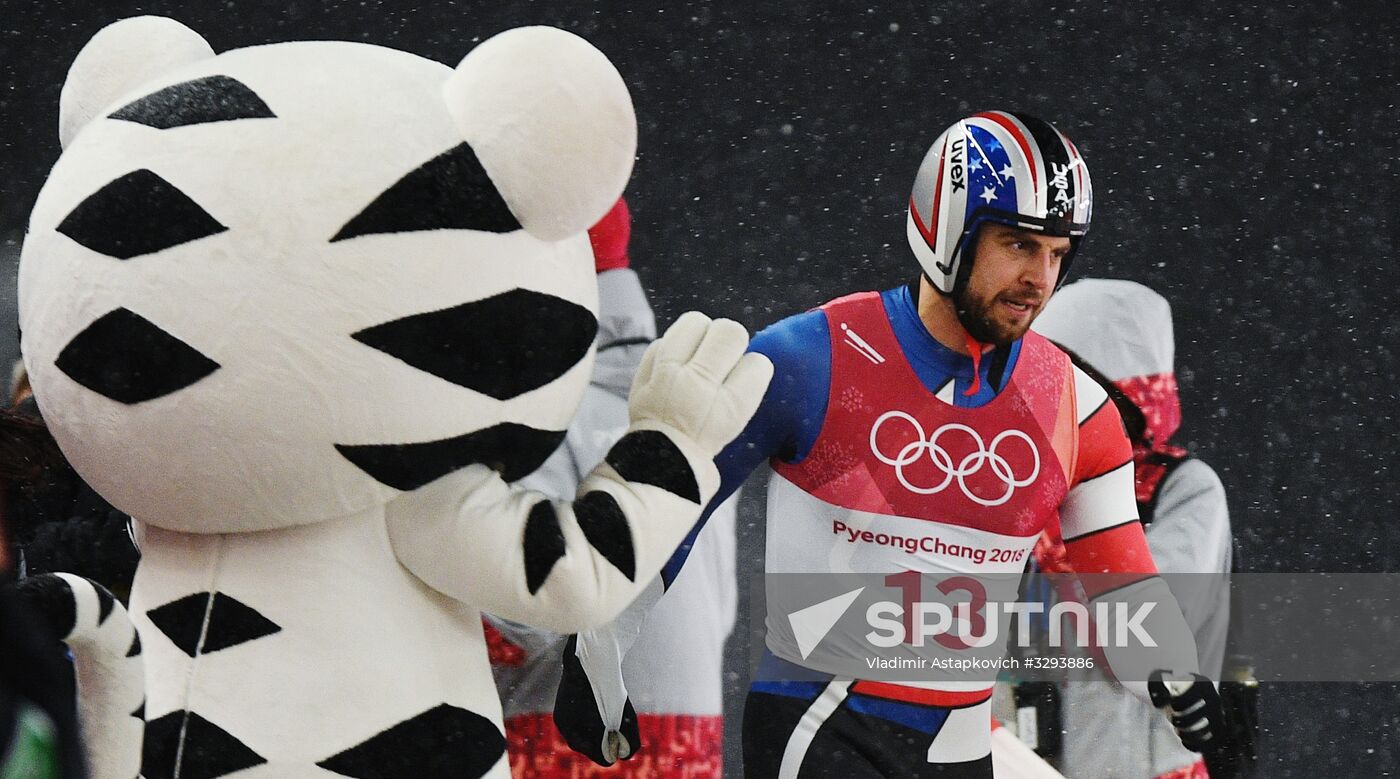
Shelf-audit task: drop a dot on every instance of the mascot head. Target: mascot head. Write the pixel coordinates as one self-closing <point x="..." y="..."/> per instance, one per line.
<point x="284" y="283"/>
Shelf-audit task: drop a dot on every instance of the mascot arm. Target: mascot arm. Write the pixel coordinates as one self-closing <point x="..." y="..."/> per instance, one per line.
<point x="107" y="666"/>
<point x="571" y="566"/>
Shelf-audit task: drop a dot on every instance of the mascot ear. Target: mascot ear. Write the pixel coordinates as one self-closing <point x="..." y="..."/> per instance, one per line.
<point x="120" y="57"/>
<point x="551" y="122"/>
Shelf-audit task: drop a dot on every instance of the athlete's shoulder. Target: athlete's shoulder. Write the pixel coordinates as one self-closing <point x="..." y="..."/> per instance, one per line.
<point x="852" y="299"/>
<point x="1091" y="401"/>
<point x="793" y="338"/>
<point x="1044" y="352"/>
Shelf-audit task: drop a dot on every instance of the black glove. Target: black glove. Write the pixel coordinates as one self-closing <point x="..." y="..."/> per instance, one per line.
<point x="1237" y="756"/>
<point x="1044" y="698"/>
<point x="1194" y="708"/>
<point x="579" y="722"/>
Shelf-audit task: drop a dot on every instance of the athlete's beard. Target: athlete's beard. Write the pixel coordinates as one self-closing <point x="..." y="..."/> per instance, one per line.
<point x="975" y="316"/>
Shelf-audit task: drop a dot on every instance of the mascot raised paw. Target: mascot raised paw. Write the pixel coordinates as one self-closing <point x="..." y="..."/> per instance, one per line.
<point x="305" y="310"/>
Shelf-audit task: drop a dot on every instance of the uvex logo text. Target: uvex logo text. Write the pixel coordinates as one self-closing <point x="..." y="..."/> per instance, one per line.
<point x="956" y="153"/>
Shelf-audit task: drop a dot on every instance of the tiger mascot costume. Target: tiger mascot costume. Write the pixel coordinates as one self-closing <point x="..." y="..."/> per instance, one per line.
<point x="305" y="311"/>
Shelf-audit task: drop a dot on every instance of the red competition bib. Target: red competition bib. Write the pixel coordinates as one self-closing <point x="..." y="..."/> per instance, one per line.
<point x="912" y="482"/>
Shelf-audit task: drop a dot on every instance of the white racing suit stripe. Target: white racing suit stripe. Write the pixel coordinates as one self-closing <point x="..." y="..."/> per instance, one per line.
<point x="817" y="714"/>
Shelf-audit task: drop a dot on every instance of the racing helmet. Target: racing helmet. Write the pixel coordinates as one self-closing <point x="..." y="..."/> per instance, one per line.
<point x="1000" y="167"/>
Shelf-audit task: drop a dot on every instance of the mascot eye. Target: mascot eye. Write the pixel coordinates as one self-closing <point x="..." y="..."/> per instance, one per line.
<point x="204" y="100"/>
<point x="449" y="192"/>
<point x="123" y="356"/>
<point x="477" y="345"/>
<point x="137" y="214"/>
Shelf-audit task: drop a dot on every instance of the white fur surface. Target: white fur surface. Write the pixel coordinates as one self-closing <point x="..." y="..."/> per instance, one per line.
<point x="119" y="58"/>
<point x="552" y="122"/>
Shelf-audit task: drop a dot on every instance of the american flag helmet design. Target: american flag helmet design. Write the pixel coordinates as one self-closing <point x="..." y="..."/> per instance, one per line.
<point x="1000" y="167"/>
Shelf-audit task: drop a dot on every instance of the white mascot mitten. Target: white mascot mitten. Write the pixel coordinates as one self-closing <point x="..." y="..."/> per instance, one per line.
<point x="305" y="310"/>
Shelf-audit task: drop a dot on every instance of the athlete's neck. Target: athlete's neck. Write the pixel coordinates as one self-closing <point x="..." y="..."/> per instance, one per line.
<point x="940" y="318"/>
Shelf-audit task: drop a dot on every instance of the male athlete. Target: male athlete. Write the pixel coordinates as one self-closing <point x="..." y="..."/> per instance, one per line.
<point x="882" y="406"/>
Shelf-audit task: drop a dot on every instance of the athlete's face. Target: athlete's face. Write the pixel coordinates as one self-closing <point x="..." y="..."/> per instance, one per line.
<point x="1012" y="277"/>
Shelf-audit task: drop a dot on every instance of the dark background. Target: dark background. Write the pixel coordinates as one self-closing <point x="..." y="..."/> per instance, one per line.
<point x="1243" y="157"/>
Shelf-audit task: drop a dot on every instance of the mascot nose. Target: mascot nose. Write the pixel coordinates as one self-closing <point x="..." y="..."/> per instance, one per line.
<point x="127" y="358"/>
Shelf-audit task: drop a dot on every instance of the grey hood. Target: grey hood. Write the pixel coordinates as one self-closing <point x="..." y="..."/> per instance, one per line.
<point x="626" y="325"/>
<point x="1122" y="328"/>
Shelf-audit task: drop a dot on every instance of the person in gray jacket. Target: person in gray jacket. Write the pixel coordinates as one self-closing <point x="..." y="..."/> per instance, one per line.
<point x="673" y="672"/>
<point x="1124" y="331"/>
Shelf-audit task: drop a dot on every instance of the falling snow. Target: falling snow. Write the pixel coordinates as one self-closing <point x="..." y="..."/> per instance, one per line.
<point x="1244" y="165"/>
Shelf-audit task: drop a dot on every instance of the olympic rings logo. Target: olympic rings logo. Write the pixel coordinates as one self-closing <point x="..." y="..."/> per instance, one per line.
<point x="943" y="461"/>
